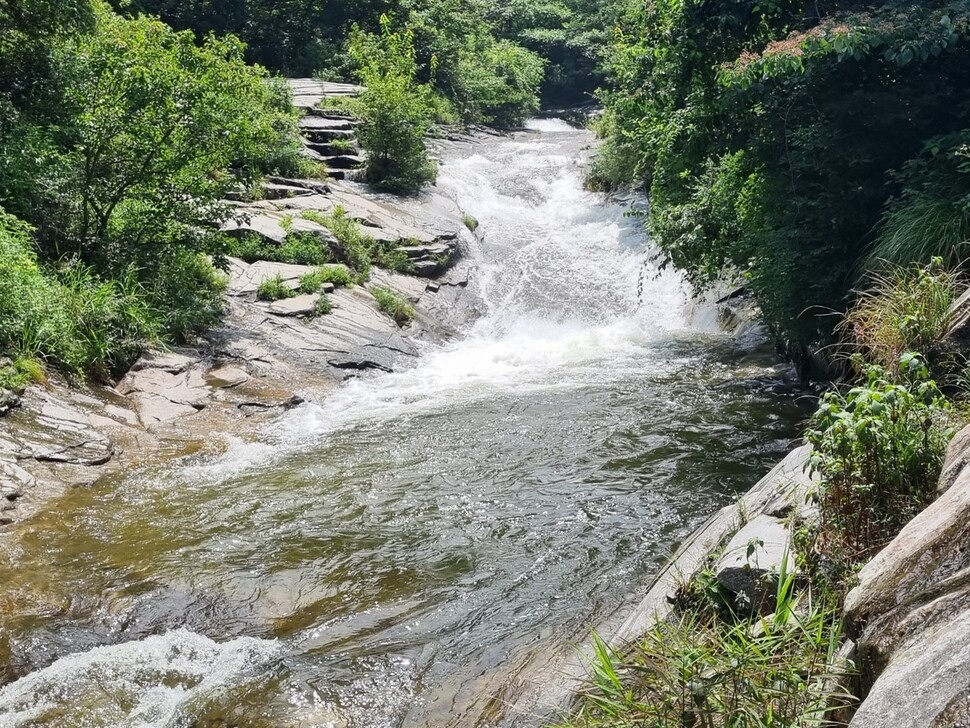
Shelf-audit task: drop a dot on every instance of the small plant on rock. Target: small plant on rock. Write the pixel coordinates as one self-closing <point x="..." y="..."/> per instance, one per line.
<point x="273" y="289"/>
<point x="323" y="306"/>
<point x="878" y="449"/>
<point x="393" y="304"/>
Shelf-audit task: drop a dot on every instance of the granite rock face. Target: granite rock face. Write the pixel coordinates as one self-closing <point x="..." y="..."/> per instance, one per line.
<point x="910" y="614"/>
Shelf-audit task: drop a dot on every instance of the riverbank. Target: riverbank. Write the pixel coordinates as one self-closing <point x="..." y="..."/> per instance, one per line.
<point x="264" y="358"/>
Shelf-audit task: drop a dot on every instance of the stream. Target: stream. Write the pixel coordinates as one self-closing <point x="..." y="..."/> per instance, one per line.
<point x="375" y="553"/>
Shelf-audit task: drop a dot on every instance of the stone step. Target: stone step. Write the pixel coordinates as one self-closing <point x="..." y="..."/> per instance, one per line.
<point x="333" y="115"/>
<point x="277" y="191"/>
<point x="322" y="136"/>
<point x="328" y="150"/>
<point x="343" y="161"/>
<point x="320" y="122"/>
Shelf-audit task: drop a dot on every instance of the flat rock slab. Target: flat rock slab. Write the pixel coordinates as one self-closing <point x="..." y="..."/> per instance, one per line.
<point x="226" y="377"/>
<point x="265" y="226"/>
<point x="319" y="122"/>
<point x="297" y="306"/>
<point x="276" y="191"/>
<point x="245" y="279"/>
<point x="262" y="220"/>
<point x="309" y="92"/>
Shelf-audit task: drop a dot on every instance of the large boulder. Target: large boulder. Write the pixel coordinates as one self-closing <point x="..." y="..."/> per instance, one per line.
<point x="910" y="614"/>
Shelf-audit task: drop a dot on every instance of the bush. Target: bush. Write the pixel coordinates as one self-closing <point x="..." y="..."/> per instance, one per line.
<point x="931" y="215"/>
<point x="743" y="120"/>
<point x="336" y="274"/>
<point x="393" y="304"/>
<point x="878" y="449"/>
<point x="188" y="294"/>
<point x="273" y="289"/>
<point x="299" y="248"/>
<point x="699" y="670"/>
<point x="904" y="309"/>
<point x="395" y="111"/>
<point x="323" y="306"/>
<point x="72" y="319"/>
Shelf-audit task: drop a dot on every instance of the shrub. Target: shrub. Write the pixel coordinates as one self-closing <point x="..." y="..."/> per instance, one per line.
<point x="355" y="245"/>
<point x="698" y="670"/>
<point x="72" y="319"/>
<point x="337" y="274"/>
<point x="395" y="111"/>
<point x="878" y="449"/>
<point x="931" y="216"/>
<point x="393" y="304"/>
<point x="904" y="309"/>
<point x="188" y="294"/>
<point x="299" y="248"/>
<point x="323" y="306"/>
<point x="309" y="283"/>
<point x="470" y="222"/>
<point x="273" y="289"/>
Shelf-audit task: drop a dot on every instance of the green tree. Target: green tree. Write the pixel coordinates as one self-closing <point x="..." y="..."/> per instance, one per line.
<point x="395" y="110"/>
<point x="769" y="137"/>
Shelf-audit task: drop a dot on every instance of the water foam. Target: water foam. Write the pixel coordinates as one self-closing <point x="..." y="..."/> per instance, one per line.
<point x="568" y="298"/>
<point x="152" y="683"/>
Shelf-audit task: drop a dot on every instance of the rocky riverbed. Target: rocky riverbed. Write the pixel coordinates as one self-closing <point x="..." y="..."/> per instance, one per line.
<point x="264" y="358"/>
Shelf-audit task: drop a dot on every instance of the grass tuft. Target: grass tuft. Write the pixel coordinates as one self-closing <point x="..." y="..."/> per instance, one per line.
<point x="323" y="305"/>
<point x="274" y="289"/>
<point x="904" y="309"/>
<point x="393" y="304"/>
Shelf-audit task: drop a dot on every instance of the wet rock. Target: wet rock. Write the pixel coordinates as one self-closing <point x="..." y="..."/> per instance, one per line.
<point x="250" y="408"/>
<point x="8" y="401"/>
<point x="13" y="480"/>
<point x="751" y="562"/>
<point x="226" y="377"/>
<point x="358" y="363"/>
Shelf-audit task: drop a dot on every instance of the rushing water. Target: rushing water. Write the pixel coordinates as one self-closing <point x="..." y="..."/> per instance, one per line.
<point x="379" y="550"/>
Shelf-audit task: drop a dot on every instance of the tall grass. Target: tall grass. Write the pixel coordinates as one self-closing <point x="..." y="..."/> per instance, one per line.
<point x="699" y="670"/>
<point x="903" y="309"/>
<point x="70" y="318"/>
<point x="920" y="227"/>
